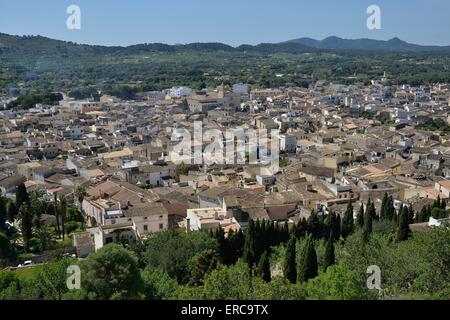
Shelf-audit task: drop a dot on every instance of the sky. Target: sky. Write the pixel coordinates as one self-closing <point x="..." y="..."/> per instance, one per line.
<point x="234" y="22"/>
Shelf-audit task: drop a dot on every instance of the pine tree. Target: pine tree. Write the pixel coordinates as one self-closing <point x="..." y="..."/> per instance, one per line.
<point x="22" y="195"/>
<point x="329" y="258"/>
<point x="289" y="265"/>
<point x="360" y="216"/>
<point x="26" y="223"/>
<point x="403" y="230"/>
<point x="307" y="263"/>
<point x="264" y="267"/>
<point x="347" y="224"/>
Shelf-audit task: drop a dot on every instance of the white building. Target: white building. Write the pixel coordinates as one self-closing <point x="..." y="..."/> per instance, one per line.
<point x="240" y="88"/>
<point x="178" y="92"/>
<point x="288" y="143"/>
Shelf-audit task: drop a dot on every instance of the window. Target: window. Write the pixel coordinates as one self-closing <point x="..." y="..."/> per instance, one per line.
<point x="145" y="218"/>
<point x="160" y="217"/>
<point x="113" y="221"/>
<point x="161" y="226"/>
<point x="145" y="227"/>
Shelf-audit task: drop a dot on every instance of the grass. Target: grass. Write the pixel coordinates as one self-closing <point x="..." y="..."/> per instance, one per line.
<point x="28" y="273"/>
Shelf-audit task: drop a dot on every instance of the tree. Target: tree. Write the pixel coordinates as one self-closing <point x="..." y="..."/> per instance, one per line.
<point x="347" y="224"/>
<point x="11" y="211"/>
<point x="314" y="225"/>
<point x="300" y="228"/>
<point x="201" y="264"/>
<point x="80" y="193"/>
<point x="333" y="226"/>
<point x="158" y="285"/>
<point x="171" y="251"/>
<point x="3" y="213"/>
<point x="21" y="196"/>
<point x="26" y="222"/>
<point x="411" y="214"/>
<point x="62" y="213"/>
<point x="337" y="283"/>
<point x="46" y="236"/>
<point x="307" y="267"/>
<point x="289" y="265"/>
<point x="51" y="279"/>
<point x="384" y="211"/>
<point x="360" y="217"/>
<point x="74" y="215"/>
<point x="249" y="245"/>
<point x="403" y="231"/>
<point x="329" y="258"/>
<point x="5" y="246"/>
<point x="264" y="267"/>
<point x="368" y="221"/>
<point x="111" y="273"/>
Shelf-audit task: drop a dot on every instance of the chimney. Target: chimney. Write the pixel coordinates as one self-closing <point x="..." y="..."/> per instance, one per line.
<point x="188" y="225"/>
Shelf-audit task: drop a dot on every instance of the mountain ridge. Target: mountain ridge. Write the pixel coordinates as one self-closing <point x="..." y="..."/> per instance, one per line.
<point x="298" y="45"/>
<point x="394" y="44"/>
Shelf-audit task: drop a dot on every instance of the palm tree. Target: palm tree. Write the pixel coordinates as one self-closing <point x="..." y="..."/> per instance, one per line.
<point x="80" y="193"/>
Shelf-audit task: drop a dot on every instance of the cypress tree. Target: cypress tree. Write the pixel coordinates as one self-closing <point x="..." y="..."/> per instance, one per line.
<point x="22" y="195"/>
<point x="26" y="223"/>
<point x="314" y="225"/>
<point x="360" y="216"/>
<point x="329" y="258"/>
<point x="403" y="230"/>
<point x="384" y="211"/>
<point x="289" y="265"/>
<point x="347" y="224"/>
<point x="337" y="228"/>
<point x="237" y="243"/>
<point x="264" y="267"/>
<point x="368" y="217"/>
<point x="443" y="204"/>
<point x="11" y="211"/>
<point x="300" y="229"/>
<point x="249" y="245"/>
<point x="307" y="264"/>
<point x="3" y="214"/>
<point x="391" y="209"/>
<point x="410" y="214"/>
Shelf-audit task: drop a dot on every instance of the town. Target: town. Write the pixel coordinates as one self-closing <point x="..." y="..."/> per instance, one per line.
<point x="235" y="191"/>
<point x="337" y="143"/>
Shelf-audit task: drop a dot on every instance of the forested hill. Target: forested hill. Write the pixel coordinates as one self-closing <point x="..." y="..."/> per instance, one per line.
<point x="38" y="65"/>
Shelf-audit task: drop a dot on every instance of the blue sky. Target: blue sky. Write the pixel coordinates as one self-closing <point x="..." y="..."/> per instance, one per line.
<point x="113" y="22"/>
